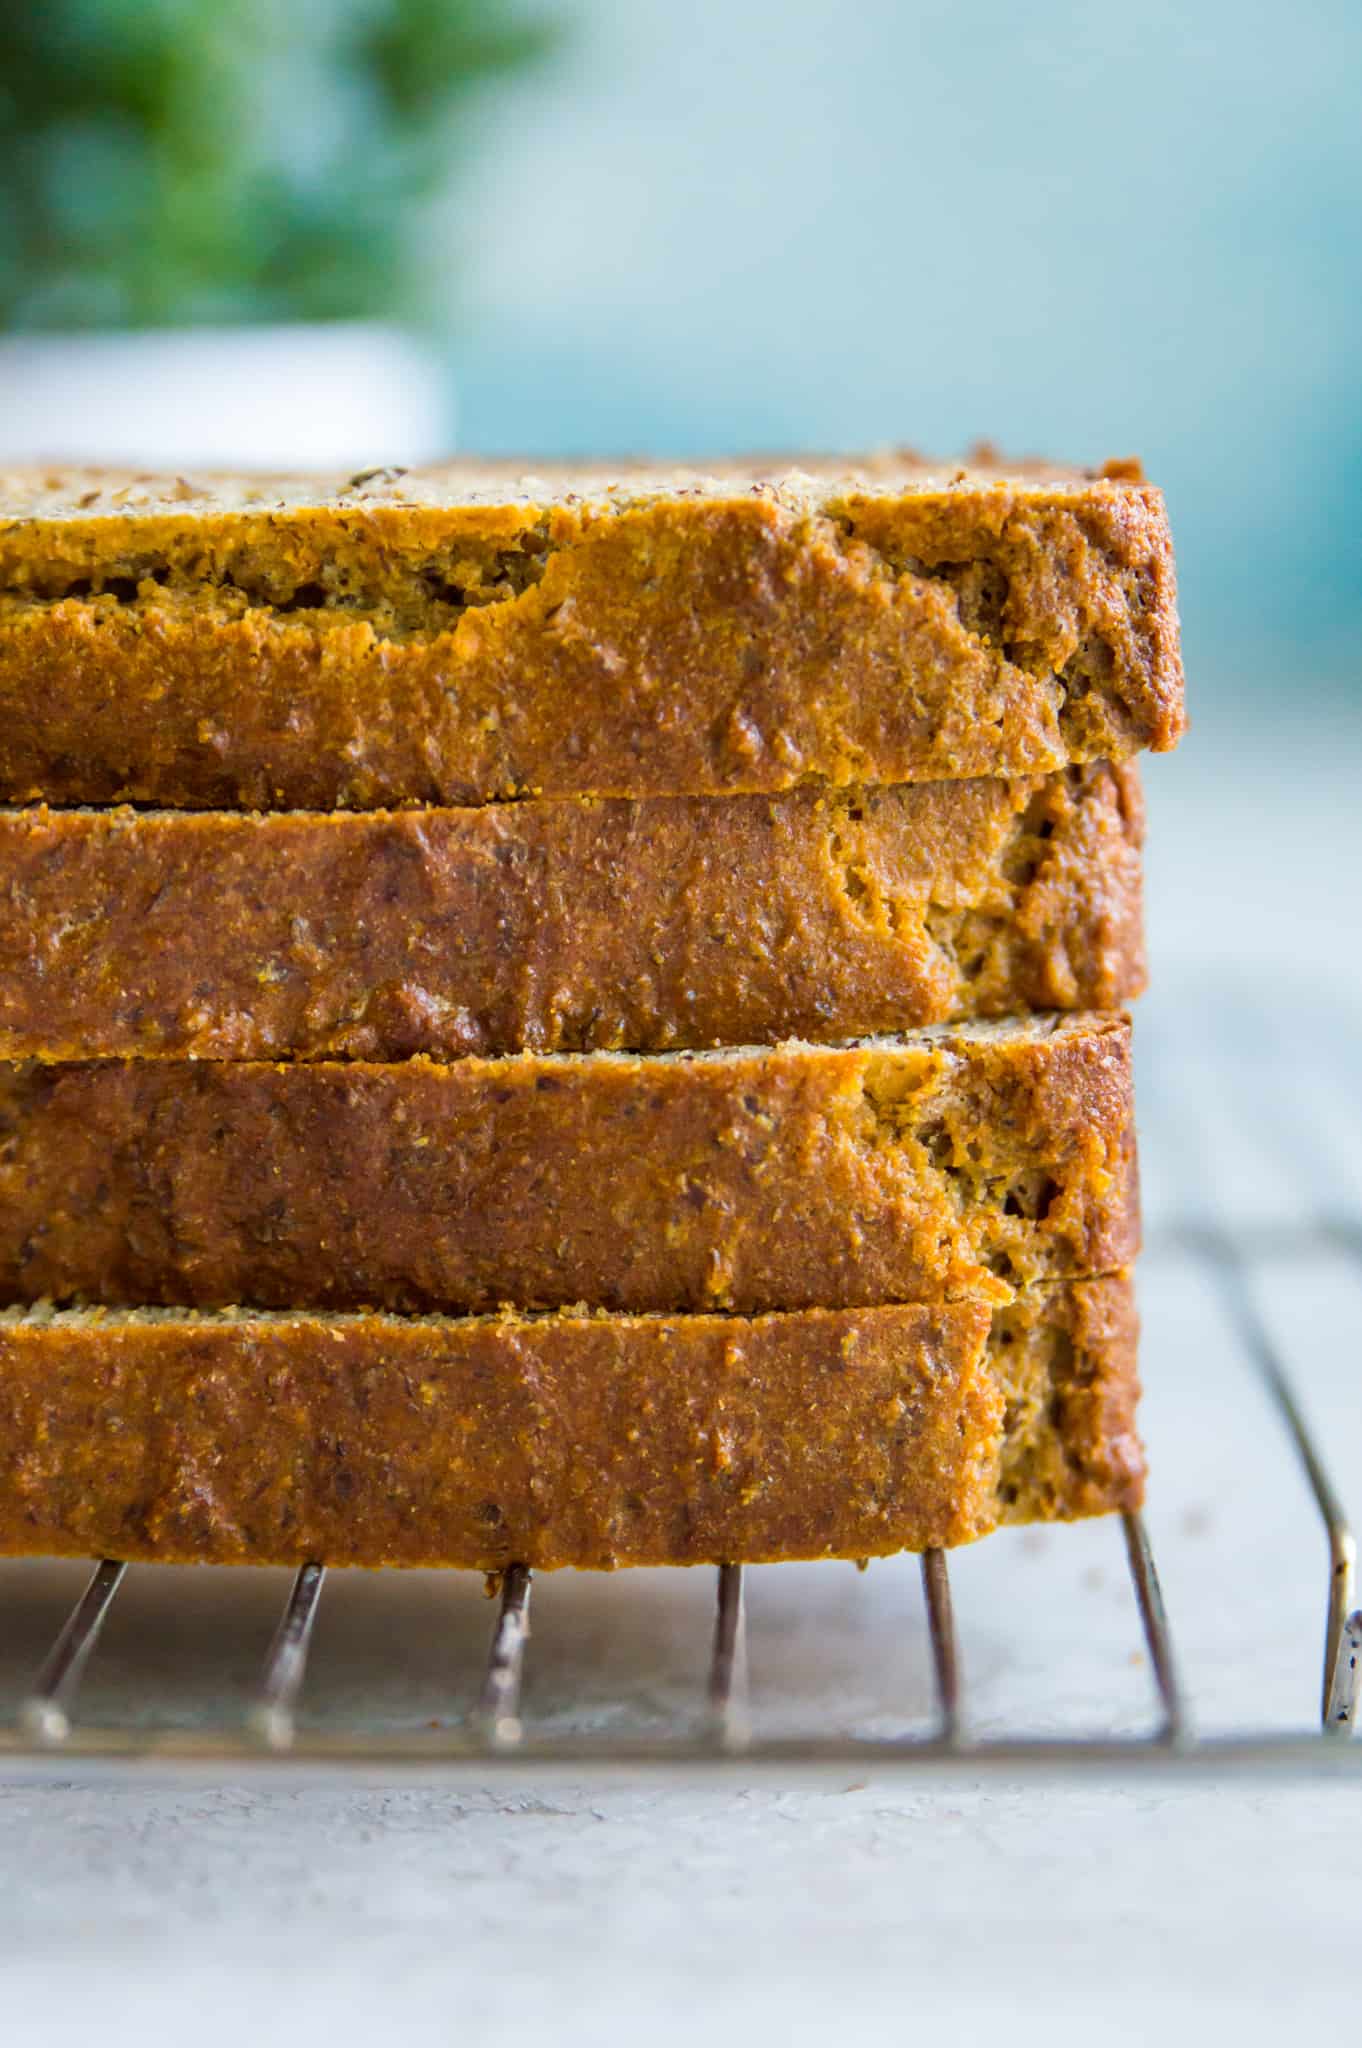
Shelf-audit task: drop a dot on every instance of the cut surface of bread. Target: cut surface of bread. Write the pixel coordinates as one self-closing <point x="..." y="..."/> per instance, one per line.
<point x="478" y="632"/>
<point x="567" y="925"/>
<point x="594" y="1441"/>
<point x="923" y="1167"/>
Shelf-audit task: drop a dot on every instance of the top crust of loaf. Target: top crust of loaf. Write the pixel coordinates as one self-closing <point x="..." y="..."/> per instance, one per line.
<point x="476" y="633"/>
<point x="803" y="483"/>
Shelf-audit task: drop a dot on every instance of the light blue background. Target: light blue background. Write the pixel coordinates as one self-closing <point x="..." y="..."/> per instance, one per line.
<point x="1080" y="229"/>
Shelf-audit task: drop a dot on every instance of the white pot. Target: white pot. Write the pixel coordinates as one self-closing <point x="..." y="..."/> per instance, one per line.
<point x="338" y="395"/>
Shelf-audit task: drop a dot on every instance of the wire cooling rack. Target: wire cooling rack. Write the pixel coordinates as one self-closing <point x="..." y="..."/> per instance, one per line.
<point x="497" y="1728"/>
<point x="1230" y="1248"/>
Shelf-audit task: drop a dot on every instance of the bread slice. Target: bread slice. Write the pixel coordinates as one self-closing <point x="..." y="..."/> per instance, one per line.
<point x="470" y="633"/>
<point x="673" y="921"/>
<point x="918" y="1168"/>
<point x="563" y="1440"/>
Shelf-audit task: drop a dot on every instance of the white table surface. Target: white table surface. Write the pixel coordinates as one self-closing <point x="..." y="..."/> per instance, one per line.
<point x="562" y="1907"/>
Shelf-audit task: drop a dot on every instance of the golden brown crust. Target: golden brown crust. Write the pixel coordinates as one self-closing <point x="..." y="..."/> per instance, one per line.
<point x="914" y="1169"/>
<point x="571" y="925"/>
<point x="682" y="637"/>
<point x="593" y="1442"/>
<point x="1064" y="1358"/>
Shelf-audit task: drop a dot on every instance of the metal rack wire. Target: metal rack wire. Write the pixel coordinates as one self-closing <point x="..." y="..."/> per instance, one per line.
<point x="497" y="1731"/>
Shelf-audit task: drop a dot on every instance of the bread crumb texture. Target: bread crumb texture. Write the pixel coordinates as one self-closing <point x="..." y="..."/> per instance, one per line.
<point x="567" y="925"/>
<point x="963" y="1161"/>
<point x="572" y="1439"/>
<point x="469" y="634"/>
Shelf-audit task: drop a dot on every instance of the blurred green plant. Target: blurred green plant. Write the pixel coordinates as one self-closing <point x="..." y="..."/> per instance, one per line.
<point x="179" y="162"/>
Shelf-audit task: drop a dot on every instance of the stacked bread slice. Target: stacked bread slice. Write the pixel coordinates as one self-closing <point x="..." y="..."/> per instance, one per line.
<point x="571" y="1019"/>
